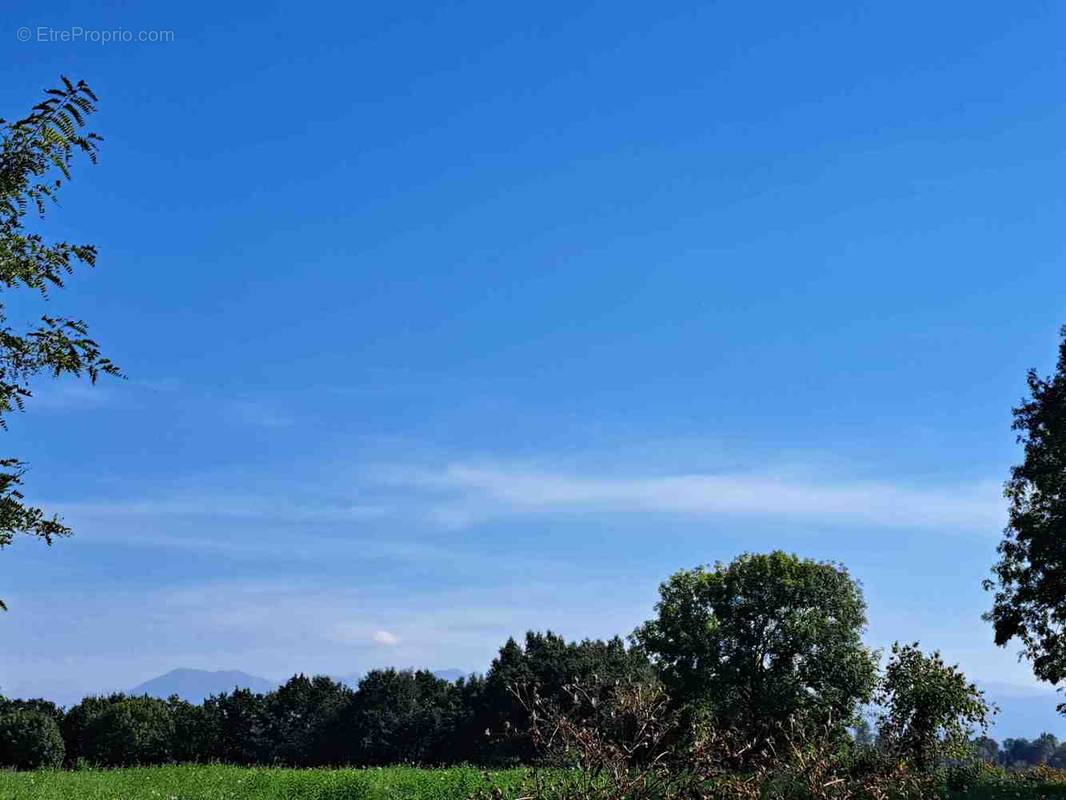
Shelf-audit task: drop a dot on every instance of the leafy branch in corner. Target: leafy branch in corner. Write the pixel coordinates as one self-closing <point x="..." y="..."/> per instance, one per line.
<point x="36" y="155"/>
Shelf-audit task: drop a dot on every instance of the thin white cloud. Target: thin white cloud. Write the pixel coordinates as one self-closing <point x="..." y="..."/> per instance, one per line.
<point x="68" y="395"/>
<point x="386" y="638"/>
<point x="249" y="507"/>
<point x="462" y="493"/>
<point x="465" y="493"/>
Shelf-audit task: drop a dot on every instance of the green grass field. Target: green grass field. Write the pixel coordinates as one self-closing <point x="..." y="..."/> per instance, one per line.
<point x="238" y="783"/>
<point x="392" y="783"/>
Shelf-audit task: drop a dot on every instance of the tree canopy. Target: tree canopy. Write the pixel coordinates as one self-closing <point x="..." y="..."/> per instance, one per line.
<point x="1029" y="580"/>
<point x="761" y="640"/>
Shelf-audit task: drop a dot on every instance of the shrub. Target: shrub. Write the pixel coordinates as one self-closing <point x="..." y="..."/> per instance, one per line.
<point x="30" y="740"/>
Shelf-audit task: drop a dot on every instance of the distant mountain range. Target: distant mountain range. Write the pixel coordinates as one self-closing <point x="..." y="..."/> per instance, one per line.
<point x="195" y="685"/>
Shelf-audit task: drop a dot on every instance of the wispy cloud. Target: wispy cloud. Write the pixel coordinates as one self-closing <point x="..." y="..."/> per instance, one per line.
<point x="466" y="493"/>
<point x="70" y="395"/>
<point x="459" y="493"/>
<point x="386" y="638"/>
<point x="245" y="507"/>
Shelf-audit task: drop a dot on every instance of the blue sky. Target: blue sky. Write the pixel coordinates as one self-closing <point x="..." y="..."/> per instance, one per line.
<point x="447" y="320"/>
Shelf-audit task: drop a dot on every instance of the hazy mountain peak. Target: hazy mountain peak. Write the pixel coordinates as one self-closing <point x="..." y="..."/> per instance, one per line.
<point x="196" y="684"/>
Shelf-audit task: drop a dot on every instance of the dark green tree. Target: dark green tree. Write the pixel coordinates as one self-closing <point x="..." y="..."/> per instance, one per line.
<point x="30" y="740"/>
<point x="400" y="716"/>
<point x="1028" y="580"/>
<point x="762" y="640"/>
<point x="1030" y="753"/>
<point x="472" y="743"/>
<point x="77" y="722"/>
<point x="239" y="727"/>
<point x="193" y="736"/>
<point x="46" y="707"/>
<point x="1044" y="747"/>
<point x="550" y="666"/>
<point x="930" y="710"/>
<point x="1058" y="758"/>
<point x="36" y="154"/>
<point x="301" y="716"/>
<point x="133" y="731"/>
<point x="1016" y="752"/>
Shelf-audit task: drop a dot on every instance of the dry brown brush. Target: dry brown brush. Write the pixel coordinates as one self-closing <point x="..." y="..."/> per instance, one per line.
<point x="627" y="742"/>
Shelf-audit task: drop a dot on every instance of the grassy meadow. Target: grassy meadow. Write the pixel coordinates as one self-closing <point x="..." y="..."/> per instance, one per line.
<point x="250" y="783"/>
<point x="388" y="783"/>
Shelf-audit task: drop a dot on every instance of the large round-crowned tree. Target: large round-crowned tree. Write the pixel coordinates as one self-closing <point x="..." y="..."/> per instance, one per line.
<point x="763" y="640"/>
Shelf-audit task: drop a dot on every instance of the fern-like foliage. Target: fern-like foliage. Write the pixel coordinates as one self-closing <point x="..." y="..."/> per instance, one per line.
<point x="36" y="155"/>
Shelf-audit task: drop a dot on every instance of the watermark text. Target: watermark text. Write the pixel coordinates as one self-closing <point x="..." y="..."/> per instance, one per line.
<point x="76" y="34"/>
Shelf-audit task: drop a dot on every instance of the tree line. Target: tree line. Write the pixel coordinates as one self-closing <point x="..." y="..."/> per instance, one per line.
<point x="1045" y="749"/>
<point x="765" y="641"/>
<point x="393" y="716"/>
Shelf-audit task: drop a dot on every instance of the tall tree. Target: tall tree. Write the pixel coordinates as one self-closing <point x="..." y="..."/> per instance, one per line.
<point x="930" y="710"/>
<point x="78" y="724"/>
<point x="36" y="153"/>
<point x="763" y="640"/>
<point x="301" y="714"/>
<point x="401" y="716"/>
<point x="550" y="666"/>
<point x="239" y="727"/>
<point x="1029" y="580"/>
